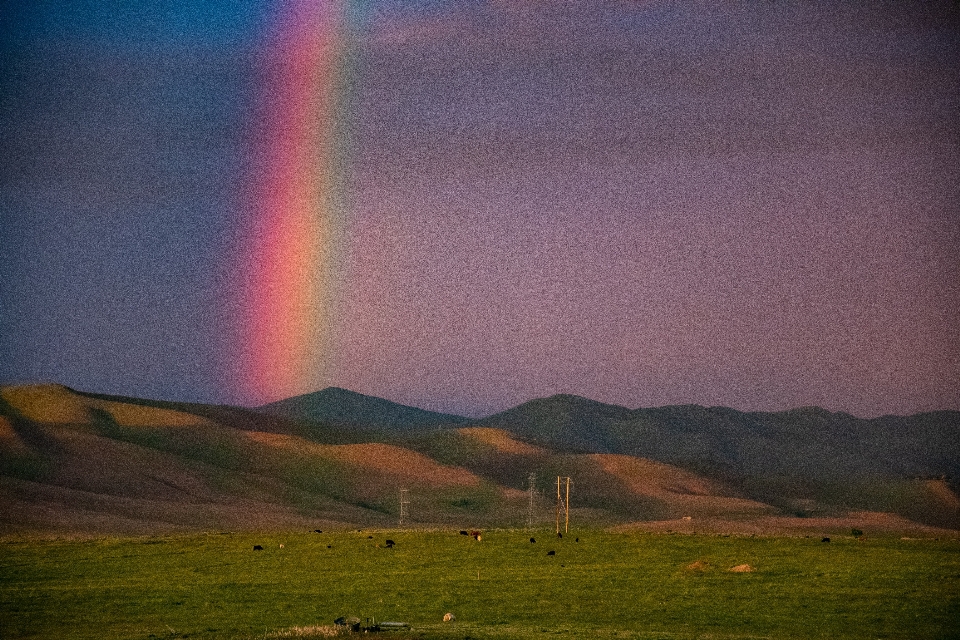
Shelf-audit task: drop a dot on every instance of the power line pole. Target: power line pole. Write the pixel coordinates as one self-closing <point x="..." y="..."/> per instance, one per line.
<point x="532" y="489"/>
<point x="404" y="501"/>
<point x="563" y="506"/>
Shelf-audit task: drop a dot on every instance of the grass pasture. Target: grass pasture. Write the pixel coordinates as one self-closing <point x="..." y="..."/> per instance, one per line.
<point x="608" y="585"/>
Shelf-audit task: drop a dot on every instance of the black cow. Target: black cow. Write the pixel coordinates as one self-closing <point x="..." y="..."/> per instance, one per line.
<point x="390" y="543"/>
<point x="551" y="553"/>
<point x="257" y="547"/>
<point x="533" y="539"/>
<point x="463" y="533"/>
<point x="825" y="540"/>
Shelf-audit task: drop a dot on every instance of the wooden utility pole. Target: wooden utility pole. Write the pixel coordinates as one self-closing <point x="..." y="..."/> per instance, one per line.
<point x="563" y="505"/>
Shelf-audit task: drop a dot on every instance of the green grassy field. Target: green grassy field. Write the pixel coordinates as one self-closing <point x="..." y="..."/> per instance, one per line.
<point x="607" y="585"/>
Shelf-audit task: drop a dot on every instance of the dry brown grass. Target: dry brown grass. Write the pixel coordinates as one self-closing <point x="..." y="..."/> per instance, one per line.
<point x="10" y="442"/>
<point x="500" y="440"/>
<point x="133" y="415"/>
<point x="56" y="404"/>
<point x="941" y="491"/>
<point x="871" y="522"/>
<point x="324" y="631"/>
<point x="698" y="566"/>
<point x="398" y="461"/>
<point x="741" y="568"/>
<point x="47" y="403"/>
<point x="375" y="457"/>
<point x="684" y="492"/>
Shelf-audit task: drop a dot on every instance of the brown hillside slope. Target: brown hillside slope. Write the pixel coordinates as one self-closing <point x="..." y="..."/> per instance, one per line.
<point x="10" y="441"/>
<point x="70" y="463"/>
<point x="88" y="484"/>
<point x="374" y="458"/>
<point x="73" y="462"/>
<point x="56" y="404"/>
<point x="683" y="492"/>
<point x="501" y="440"/>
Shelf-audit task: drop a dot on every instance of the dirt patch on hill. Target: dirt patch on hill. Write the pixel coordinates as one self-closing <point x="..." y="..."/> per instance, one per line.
<point x="698" y="566"/>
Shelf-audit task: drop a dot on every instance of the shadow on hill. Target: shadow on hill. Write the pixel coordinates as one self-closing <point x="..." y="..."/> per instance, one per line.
<point x="111" y="461"/>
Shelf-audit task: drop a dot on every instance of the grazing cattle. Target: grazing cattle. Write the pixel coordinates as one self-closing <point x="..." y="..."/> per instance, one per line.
<point x="533" y="539"/>
<point x="317" y="531"/>
<point x="390" y="543"/>
<point x="463" y="533"/>
<point x="369" y="537"/>
<point x="559" y="535"/>
<point x="449" y="617"/>
<point x="577" y="540"/>
<point x="551" y="553"/>
<point x="329" y="546"/>
<point x="825" y="540"/>
<point x="474" y="533"/>
<point x="281" y="546"/>
<point x="257" y="547"/>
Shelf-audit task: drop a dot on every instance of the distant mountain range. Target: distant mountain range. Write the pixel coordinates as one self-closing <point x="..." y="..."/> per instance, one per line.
<point x="807" y="441"/>
<point x="81" y="462"/>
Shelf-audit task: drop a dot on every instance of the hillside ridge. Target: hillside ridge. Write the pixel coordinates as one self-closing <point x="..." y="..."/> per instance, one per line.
<point x="335" y="405"/>
<point x="74" y="461"/>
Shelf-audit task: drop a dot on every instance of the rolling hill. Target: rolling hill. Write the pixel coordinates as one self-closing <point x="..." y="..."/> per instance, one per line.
<point x="805" y="442"/>
<point x="83" y="463"/>
<point x="340" y="407"/>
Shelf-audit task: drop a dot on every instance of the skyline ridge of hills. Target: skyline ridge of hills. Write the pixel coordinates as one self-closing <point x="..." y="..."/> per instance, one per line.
<point x="78" y="461"/>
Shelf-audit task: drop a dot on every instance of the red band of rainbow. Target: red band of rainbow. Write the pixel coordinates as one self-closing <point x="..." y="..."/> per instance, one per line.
<point x="298" y="206"/>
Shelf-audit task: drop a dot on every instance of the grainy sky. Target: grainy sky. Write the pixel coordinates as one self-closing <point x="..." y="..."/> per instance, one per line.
<point x="753" y="204"/>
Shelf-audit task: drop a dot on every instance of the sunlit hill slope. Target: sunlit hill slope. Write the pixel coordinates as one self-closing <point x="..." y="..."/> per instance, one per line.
<point x="82" y="463"/>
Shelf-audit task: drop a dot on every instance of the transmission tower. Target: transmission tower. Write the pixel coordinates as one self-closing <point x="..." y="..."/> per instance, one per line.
<point x="404" y="502"/>
<point x="563" y="506"/>
<point x="532" y="490"/>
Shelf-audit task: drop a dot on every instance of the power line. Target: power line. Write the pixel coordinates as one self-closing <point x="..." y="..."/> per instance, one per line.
<point x="532" y="489"/>
<point x="404" y="501"/>
<point x="563" y="506"/>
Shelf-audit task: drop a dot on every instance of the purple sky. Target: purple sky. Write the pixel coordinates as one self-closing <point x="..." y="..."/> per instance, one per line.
<point x="646" y="203"/>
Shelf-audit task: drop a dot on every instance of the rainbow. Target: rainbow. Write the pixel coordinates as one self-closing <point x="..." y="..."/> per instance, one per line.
<point x="297" y="203"/>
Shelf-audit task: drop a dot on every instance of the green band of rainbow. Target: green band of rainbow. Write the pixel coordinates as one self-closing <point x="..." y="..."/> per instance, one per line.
<point x="299" y="204"/>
